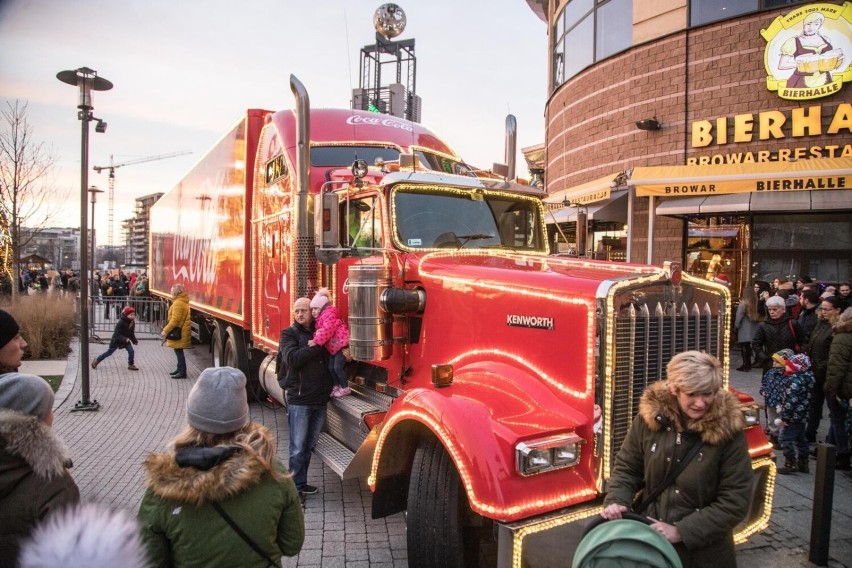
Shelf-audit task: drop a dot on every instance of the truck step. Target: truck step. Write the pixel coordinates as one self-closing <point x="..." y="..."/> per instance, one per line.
<point x="334" y="454"/>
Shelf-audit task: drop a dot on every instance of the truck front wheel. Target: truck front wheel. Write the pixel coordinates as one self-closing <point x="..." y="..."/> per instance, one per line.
<point x="442" y="529"/>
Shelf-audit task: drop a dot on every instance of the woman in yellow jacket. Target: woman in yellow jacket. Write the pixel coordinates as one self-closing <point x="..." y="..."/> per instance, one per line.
<point x="178" y="319"/>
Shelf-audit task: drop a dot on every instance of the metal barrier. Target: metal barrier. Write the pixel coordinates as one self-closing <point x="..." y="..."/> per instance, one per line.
<point x="151" y="315"/>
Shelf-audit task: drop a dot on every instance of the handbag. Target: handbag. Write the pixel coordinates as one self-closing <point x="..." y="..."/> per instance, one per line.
<point x="242" y="534"/>
<point x="174" y="334"/>
<point x="668" y="479"/>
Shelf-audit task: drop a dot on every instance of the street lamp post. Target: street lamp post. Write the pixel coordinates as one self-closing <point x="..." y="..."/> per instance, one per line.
<point x="86" y="80"/>
<point x="93" y="198"/>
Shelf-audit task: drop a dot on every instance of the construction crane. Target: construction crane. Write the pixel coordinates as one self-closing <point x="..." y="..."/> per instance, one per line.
<point x="112" y="167"/>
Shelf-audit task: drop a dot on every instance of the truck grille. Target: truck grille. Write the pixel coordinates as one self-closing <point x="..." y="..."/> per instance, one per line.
<point x="644" y="344"/>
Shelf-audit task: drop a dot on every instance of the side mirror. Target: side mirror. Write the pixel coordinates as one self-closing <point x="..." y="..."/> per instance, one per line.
<point x="327" y="228"/>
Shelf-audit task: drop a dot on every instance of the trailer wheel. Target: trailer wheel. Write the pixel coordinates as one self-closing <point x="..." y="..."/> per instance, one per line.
<point x="442" y="529"/>
<point x="234" y="352"/>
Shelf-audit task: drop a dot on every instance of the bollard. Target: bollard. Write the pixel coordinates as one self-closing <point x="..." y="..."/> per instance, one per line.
<point x="823" y="502"/>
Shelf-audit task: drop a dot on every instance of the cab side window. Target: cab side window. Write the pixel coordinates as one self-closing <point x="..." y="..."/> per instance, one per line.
<point x="363" y="230"/>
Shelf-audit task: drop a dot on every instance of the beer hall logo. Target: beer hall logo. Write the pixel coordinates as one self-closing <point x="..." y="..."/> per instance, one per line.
<point x="808" y="51"/>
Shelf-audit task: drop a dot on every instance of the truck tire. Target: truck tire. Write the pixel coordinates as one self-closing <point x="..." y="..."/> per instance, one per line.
<point x="442" y="529"/>
<point x="234" y="353"/>
<point x="217" y="343"/>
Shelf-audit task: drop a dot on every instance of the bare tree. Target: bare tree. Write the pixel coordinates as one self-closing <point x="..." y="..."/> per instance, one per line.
<point x="27" y="195"/>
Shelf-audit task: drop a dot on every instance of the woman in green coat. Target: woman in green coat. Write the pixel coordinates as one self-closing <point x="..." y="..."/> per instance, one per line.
<point x="178" y="318"/>
<point x="698" y="512"/>
<point x="221" y="465"/>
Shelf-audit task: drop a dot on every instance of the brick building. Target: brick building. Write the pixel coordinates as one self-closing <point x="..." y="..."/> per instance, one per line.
<point x="650" y="104"/>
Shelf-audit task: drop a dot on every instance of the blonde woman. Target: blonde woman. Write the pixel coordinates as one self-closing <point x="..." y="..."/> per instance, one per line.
<point x="697" y="513"/>
<point x="178" y="318"/>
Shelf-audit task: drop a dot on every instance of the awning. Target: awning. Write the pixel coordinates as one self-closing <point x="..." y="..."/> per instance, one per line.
<point x="589" y="192"/>
<point x="614" y="210"/>
<point x="812" y="175"/>
<point x="782" y="202"/>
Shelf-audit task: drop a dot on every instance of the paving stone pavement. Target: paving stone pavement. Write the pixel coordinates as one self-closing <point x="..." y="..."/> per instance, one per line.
<point x="141" y="411"/>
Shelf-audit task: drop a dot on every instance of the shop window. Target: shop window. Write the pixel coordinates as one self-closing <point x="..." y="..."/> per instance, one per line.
<point x="587" y="31"/>
<point x="707" y="11"/>
<point x="717" y="252"/>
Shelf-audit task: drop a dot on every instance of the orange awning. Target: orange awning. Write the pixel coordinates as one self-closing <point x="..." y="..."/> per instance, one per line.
<point x="769" y="178"/>
<point x="586" y="193"/>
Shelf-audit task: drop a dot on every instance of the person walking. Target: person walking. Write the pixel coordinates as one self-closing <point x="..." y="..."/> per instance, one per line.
<point x="746" y="322"/>
<point x="838" y="387"/>
<point x="332" y="333"/>
<point x="688" y="414"/>
<point x="817" y="349"/>
<point x="178" y="319"/>
<point x="34" y="478"/>
<point x="307" y="385"/>
<point x="218" y="496"/>
<point x="123" y="337"/>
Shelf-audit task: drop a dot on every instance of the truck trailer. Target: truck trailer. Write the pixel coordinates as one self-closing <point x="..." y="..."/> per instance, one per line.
<point x="493" y="383"/>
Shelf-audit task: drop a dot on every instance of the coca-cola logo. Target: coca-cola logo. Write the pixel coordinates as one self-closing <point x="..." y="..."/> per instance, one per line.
<point x="379" y="121"/>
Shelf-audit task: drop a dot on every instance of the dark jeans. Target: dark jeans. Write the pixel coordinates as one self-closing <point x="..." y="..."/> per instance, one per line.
<point x="336" y="364"/>
<point x="305" y="422"/>
<point x="181" y="362"/>
<point x="837" y="433"/>
<point x="793" y="441"/>
<point x="112" y="350"/>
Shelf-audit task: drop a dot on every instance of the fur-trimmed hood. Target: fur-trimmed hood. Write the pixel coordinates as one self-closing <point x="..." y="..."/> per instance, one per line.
<point x="33" y="441"/>
<point x="842" y="326"/>
<point x="723" y="420"/>
<point x="166" y="479"/>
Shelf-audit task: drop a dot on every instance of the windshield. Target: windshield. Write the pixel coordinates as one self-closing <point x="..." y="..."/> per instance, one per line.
<point x="451" y="218"/>
<point x="343" y="156"/>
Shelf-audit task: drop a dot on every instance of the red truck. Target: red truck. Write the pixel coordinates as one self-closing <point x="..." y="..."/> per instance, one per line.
<point x="493" y="383"/>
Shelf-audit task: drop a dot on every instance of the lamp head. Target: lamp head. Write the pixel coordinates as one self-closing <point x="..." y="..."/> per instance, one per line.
<point x="648" y="124"/>
<point x="101" y="126"/>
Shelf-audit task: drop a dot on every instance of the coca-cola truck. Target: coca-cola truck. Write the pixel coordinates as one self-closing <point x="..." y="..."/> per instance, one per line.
<point x="492" y="383"/>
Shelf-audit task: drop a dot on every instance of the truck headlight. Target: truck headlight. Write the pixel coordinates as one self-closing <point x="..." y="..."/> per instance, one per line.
<point x="751" y="413"/>
<point x="546" y="454"/>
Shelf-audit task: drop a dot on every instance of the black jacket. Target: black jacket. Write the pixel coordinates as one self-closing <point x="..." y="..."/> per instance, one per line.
<point x="123" y="334"/>
<point x="808" y="320"/>
<point x="774" y="335"/>
<point x="818" y="348"/>
<point x="307" y="379"/>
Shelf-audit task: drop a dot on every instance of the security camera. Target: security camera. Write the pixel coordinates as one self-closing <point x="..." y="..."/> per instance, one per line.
<point x="101" y="126"/>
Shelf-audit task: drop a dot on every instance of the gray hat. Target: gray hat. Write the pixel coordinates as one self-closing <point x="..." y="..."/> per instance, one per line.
<point x="28" y="394"/>
<point x="217" y="403"/>
<point x="776" y="301"/>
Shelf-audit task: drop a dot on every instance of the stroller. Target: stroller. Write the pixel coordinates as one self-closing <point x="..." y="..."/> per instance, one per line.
<point x="628" y="541"/>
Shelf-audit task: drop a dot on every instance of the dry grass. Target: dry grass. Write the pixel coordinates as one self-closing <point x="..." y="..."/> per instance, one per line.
<point x="47" y="324"/>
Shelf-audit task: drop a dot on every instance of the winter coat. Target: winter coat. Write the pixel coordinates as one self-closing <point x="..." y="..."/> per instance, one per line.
<point x="711" y="496"/>
<point x="773" y="335"/>
<point x="124" y="333"/>
<point x="182" y="529"/>
<point x="817" y="349"/>
<point x="34" y="480"/>
<point x="798" y="391"/>
<point x="331" y="331"/>
<point x="838" y="380"/>
<point x="179" y="317"/>
<point x="808" y="320"/>
<point x="307" y="380"/>
<point x="773" y="385"/>
<point x="745" y="326"/>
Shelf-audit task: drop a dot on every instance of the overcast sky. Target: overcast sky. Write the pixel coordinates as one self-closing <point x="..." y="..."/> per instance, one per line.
<point x="184" y="70"/>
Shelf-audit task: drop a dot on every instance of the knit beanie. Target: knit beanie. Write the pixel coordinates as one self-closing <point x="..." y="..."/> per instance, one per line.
<point x="9" y="328"/>
<point x="781" y="357"/>
<point x="217" y="403"/>
<point x="776" y="301"/>
<point x="797" y="364"/>
<point x="128" y="310"/>
<point x="321" y="298"/>
<point x="28" y="394"/>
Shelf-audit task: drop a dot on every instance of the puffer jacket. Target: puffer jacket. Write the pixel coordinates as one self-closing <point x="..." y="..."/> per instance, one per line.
<point x="124" y="333"/>
<point x="34" y="479"/>
<point x="182" y="529"/>
<point x="838" y="381"/>
<point x="773" y="335"/>
<point x="331" y="331"/>
<point x="711" y="496"/>
<point x="798" y="391"/>
<point x="307" y="379"/>
<point x="179" y="317"/>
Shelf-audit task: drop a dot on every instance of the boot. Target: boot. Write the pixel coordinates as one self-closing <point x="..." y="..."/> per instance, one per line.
<point x="803" y="465"/>
<point x="842" y="463"/>
<point x="773" y="439"/>
<point x="788" y="467"/>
